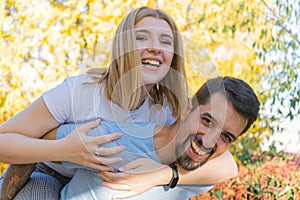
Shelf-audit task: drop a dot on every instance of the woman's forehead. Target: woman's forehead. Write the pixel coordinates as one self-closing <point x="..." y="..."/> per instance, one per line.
<point x="153" y="23"/>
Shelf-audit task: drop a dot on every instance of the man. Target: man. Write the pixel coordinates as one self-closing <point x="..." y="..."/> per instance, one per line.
<point x="222" y="109"/>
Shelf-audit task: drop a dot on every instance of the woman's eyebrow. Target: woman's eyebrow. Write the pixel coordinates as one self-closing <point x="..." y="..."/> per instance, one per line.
<point x="148" y="32"/>
<point x="142" y="30"/>
<point x="167" y="35"/>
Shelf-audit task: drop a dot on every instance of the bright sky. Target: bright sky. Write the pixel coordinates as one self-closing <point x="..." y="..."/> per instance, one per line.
<point x="288" y="140"/>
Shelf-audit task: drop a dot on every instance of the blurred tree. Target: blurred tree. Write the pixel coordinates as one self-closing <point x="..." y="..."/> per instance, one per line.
<point x="282" y="56"/>
<point x="42" y="42"/>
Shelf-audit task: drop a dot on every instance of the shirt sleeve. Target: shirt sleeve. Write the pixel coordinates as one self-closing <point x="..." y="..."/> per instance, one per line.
<point x="58" y="101"/>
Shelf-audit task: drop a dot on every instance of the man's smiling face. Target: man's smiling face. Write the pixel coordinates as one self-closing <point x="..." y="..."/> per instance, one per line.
<point x="207" y="132"/>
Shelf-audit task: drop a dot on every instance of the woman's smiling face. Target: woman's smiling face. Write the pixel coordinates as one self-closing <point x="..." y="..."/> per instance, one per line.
<point x="155" y="44"/>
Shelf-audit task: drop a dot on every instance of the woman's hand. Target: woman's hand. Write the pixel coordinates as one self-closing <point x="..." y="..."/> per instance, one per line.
<point x="136" y="177"/>
<point x="82" y="149"/>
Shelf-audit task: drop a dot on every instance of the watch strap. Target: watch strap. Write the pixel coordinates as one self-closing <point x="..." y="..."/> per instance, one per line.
<point x="175" y="176"/>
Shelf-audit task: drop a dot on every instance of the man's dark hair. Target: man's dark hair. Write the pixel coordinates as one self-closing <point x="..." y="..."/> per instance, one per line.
<point x="236" y="91"/>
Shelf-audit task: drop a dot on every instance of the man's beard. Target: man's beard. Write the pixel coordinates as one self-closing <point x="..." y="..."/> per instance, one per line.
<point x="187" y="163"/>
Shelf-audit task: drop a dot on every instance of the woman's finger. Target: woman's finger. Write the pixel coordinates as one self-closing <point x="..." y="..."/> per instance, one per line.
<point x="104" y="178"/>
<point x="106" y="138"/>
<point x="108" y="161"/>
<point x="104" y="151"/>
<point x="130" y="165"/>
<point x="116" y="186"/>
<point x="100" y="167"/>
<point x="88" y="126"/>
<point x="141" y="165"/>
<point x="112" y="176"/>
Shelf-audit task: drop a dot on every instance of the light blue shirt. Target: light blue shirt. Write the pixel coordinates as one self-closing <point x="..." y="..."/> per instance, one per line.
<point x="138" y="140"/>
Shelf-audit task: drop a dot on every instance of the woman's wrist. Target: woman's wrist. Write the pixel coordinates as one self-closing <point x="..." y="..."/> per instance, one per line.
<point x="62" y="151"/>
<point x="165" y="175"/>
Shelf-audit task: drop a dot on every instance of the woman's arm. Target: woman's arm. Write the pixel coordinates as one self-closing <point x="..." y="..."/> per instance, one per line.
<point x="20" y="143"/>
<point x="18" y="174"/>
<point x="214" y="171"/>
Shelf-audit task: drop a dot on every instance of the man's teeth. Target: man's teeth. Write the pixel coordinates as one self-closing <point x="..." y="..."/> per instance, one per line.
<point x="151" y="62"/>
<point x="197" y="149"/>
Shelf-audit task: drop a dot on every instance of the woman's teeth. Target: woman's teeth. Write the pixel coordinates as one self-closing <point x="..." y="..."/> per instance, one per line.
<point x="151" y="62"/>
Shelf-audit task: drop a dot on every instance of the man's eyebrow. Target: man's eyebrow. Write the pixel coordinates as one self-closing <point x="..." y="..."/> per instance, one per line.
<point x="206" y="114"/>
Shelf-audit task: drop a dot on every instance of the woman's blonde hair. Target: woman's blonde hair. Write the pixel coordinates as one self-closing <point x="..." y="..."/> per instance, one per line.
<point x="123" y="80"/>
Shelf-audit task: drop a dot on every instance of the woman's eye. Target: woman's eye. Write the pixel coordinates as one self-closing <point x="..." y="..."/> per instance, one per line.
<point x="141" y="38"/>
<point x="166" y="42"/>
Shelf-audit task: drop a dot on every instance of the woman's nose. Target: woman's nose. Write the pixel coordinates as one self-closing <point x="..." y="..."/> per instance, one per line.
<point x="154" y="46"/>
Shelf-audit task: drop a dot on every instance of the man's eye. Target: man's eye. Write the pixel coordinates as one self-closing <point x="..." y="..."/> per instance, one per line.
<point x="206" y="121"/>
<point x="227" y="138"/>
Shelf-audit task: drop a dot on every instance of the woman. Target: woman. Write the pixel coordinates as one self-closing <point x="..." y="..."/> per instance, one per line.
<point x="142" y="83"/>
<point x="137" y="78"/>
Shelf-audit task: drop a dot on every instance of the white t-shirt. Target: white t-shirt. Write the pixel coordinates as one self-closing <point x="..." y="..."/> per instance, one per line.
<point x="79" y="99"/>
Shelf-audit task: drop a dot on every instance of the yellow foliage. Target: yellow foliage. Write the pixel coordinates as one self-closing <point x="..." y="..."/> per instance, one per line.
<point x="3" y="166"/>
<point x="42" y="42"/>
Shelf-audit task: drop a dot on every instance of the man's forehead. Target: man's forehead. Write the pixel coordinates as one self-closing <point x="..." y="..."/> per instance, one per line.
<point x="223" y="113"/>
<point x="216" y="106"/>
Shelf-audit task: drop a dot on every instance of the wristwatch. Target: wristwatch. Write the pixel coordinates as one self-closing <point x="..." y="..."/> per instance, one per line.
<point x="175" y="176"/>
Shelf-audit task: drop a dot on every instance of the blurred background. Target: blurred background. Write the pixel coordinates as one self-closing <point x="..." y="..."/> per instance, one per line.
<point x="43" y="42"/>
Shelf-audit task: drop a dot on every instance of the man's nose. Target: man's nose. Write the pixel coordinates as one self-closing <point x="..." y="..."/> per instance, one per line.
<point x="210" y="138"/>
